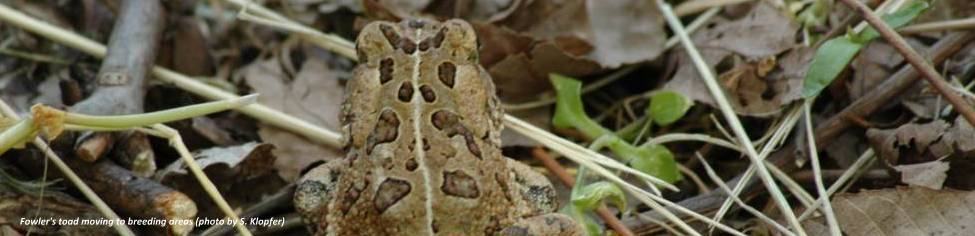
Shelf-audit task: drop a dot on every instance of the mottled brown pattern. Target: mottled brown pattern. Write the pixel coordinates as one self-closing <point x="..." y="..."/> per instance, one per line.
<point x="386" y="70"/>
<point x="428" y="94"/>
<point x="390" y="192"/>
<point x="435" y="163"/>
<point x="408" y="46"/>
<point x="391" y="36"/>
<point x="458" y="183"/>
<point x="445" y="72"/>
<point x="406" y="91"/>
<point x="387" y="129"/>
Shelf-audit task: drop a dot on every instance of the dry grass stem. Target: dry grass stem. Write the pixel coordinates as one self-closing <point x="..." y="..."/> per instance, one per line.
<point x="729" y="114"/>
<point x="99" y="204"/>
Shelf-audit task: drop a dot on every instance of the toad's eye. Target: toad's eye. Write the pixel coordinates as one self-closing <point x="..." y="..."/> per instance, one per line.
<point x="461" y="40"/>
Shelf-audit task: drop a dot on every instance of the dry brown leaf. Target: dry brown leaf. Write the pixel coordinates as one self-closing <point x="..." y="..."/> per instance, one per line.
<point x="929" y="174"/>
<point x="522" y="76"/>
<point x="746" y="47"/>
<point x="625" y="32"/>
<point x="482" y="10"/>
<point x="394" y="9"/>
<point x="909" y="143"/>
<point x="905" y="211"/>
<point x="876" y="63"/>
<point x="608" y="26"/>
<point x="926" y="143"/>
<point x="846" y="149"/>
<point x="871" y="67"/>
<point x="924" y="104"/>
<point x="962" y="136"/>
<point x="815" y="226"/>
<point x="687" y="80"/>
<point x="764" y="32"/>
<point x="20" y="93"/>
<point x="243" y="174"/>
<point x="576" y="38"/>
<point x="186" y="52"/>
<point x="314" y="95"/>
<point x="497" y="43"/>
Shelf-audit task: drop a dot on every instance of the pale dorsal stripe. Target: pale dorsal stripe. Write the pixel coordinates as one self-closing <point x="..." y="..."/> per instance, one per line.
<point x="418" y="136"/>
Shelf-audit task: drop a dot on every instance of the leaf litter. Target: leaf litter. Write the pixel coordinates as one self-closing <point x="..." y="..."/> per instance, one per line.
<point x="760" y="52"/>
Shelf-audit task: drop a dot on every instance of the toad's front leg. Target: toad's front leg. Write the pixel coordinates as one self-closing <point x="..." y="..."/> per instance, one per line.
<point x="540" y="200"/>
<point x="314" y="193"/>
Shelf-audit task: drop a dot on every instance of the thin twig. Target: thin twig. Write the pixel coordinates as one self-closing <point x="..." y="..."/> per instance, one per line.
<point x="959" y="24"/>
<point x="729" y="114"/>
<point x="927" y="72"/>
<point x="567" y="180"/>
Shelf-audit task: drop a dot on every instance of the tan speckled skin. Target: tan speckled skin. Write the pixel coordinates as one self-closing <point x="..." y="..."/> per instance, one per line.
<point x="404" y="175"/>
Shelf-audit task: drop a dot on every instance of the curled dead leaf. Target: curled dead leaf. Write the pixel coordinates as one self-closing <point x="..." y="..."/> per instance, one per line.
<point x="915" y="150"/>
<point x="908" y="144"/>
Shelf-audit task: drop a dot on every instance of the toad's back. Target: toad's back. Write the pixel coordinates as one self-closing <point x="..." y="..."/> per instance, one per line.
<point x="422" y="128"/>
<point x="423" y="125"/>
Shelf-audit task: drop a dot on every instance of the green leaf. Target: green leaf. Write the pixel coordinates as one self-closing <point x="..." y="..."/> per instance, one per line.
<point x="569" y="112"/>
<point x="895" y="20"/>
<point x="831" y="59"/>
<point x="589" y="197"/>
<point x="655" y="160"/>
<point x="658" y="160"/>
<point x="833" y="56"/>
<point x="666" y="107"/>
